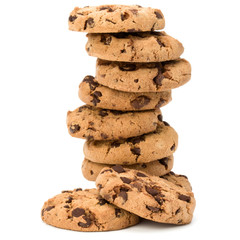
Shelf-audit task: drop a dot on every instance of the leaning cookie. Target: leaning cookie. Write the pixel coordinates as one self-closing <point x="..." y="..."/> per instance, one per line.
<point x="85" y="210"/>
<point x="134" y="47"/>
<point x="95" y="94"/>
<point x="102" y="124"/>
<point x="159" y="167"/>
<point x="115" y="18"/>
<point x="142" y="149"/>
<point x="149" y="197"/>
<point x="143" y="77"/>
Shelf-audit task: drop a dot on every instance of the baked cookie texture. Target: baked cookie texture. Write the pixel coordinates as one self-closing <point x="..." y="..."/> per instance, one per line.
<point x="134" y="47"/>
<point x="115" y="18"/>
<point x="142" y="149"/>
<point x="160" y="167"/>
<point x="85" y="210"/>
<point x="149" y="197"/>
<point x="95" y="94"/>
<point x="143" y="77"/>
<point x="102" y="124"/>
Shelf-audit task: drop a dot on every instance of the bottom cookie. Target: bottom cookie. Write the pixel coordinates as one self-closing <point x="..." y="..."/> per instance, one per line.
<point x="85" y="210"/>
<point x="159" y="167"/>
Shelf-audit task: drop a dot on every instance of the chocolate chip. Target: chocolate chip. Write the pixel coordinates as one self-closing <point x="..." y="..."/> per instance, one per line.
<point x="123" y="50"/>
<point x="177" y="211"/>
<point x="166" y="123"/>
<point x="126" y="180"/>
<point x="69" y="200"/>
<point x="158" y="15"/>
<point x="102" y="201"/>
<point x="103" y="113"/>
<point x="106" y="8"/>
<point x="42" y="212"/>
<point x="159" y="199"/>
<point x="158" y="79"/>
<point x="66" y="191"/>
<point x="72" y="18"/>
<point x="136" y="80"/>
<point x="124" y="16"/>
<point x="117" y="212"/>
<point x="136" y="140"/>
<point x="173" y="147"/>
<point x="49" y="208"/>
<point x="127" y="67"/>
<point x="180" y="220"/>
<point x="99" y="186"/>
<point x="106" y="40"/>
<point x="124" y="195"/>
<point x="90" y="80"/>
<point x="152" y="191"/>
<point x="140" y="102"/>
<point x="160" y="103"/>
<point x="89" y="137"/>
<point x="115" y="144"/>
<point x="132" y="30"/>
<point x="95" y="95"/>
<point x="160" y="118"/>
<point x="153" y="209"/>
<point x="143" y="165"/>
<point x="77" y="212"/>
<point x="134" y="11"/>
<point x="115" y="112"/>
<point x="118" y="169"/>
<point x="78" y="189"/>
<point x="137" y="185"/>
<point x="139" y="174"/>
<point x="91" y="172"/>
<point x="164" y="162"/>
<point x="74" y="128"/>
<point x="104" y="136"/>
<point x="107" y="170"/>
<point x="89" y="22"/>
<point x="87" y="224"/>
<point x="136" y="151"/>
<point x="184" y="198"/>
<point x="66" y="206"/>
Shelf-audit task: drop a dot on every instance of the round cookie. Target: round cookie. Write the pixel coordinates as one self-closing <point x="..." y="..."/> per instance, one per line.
<point x="159" y="167"/>
<point x="94" y="94"/>
<point x="134" y="47"/>
<point x="85" y="210"/>
<point x="149" y="197"/>
<point x="142" y="149"/>
<point x="102" y="124"/>
<point x="143" y="77"/>
<point x="115" y="18"/>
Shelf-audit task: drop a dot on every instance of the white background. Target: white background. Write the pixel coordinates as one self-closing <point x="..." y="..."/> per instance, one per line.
<point x="42" y="64"/>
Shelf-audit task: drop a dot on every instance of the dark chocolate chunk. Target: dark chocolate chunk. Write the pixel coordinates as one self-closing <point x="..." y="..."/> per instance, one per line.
<point x="166" y="123"/>
<point x="66" y="191"/>
<point x="160" y="118"/>
<point x="136" y="80"/>
<point x="132" y="30"/>
<point x="143" y="165"/>
<point x="90" y="80"/>
<point x="153" y="209"/>
<point x="184" y="198"/>
<point x="66" y="206"/>
<point x="136" y="140"/>
<point x="106" y="8"/>
<point x="106" y="40"/>
<point x="78" y="189"/>
<point x="160" y="103"/>
<point x="91" y="172"/>
<point x="95" y="95"/>
<point x="49" y="208"/>
<point x="74" y="128"/>
<point x="103" y="113"/>
<point x="118" y="169"/>
<point x="152" y="191"/>
<point x="117" y="212"/>
<point x="102" y="201"/>
<point x="158" y="79"/>
<point x="115" y="144"/>
<point x="137" y="185"/>
<point x="87" y="224"/>
<point x="127" y="67"/>
<point x="77" y="212"/>
<point x="136" y="151"/>
<point x="140" y="102"/>
<point x="72" y="18"/>
<point x="116" y="112"/>
<point x="124" y="16"/>
<point x="89" y="22"/>
<point x="173" y="147"/>
<point x="124" y="195"/>
<point x="43" y="211"/>
<point x="134" y="11"/>
<point x="177" y="211"/>
<point x="104" y="136"/>
<point x="164" y="162"/>
<point x="158" y="14"/>
<point x="126" y="180"/>
<point x="69" y="200"/>
<point x="139" y="174"/>
<point x="107" y="170"/>
<point x="159" y="199"/>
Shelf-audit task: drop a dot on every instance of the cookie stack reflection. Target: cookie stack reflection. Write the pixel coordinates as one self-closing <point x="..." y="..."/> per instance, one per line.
<point x="137" y="66"/>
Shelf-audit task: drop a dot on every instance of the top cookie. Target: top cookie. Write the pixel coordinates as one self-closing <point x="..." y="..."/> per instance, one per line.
<point x="115" y="18"/>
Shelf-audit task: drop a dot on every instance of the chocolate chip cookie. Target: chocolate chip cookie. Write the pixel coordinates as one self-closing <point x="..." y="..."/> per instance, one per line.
<point x="143" y="77"/>
<point x="134" y="47"/>
<point x="142" y="149"/>
<point x="115" y="18"/>
<point x="159" y="167"/>
<point x="149" y="197"/>
<point x="85" y="210"/>
<point x="102" y="124"/>
<point x="95" y="94"/>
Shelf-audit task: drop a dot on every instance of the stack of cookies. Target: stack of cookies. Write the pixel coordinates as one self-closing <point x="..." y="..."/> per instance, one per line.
<point x="129" y="148"/>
